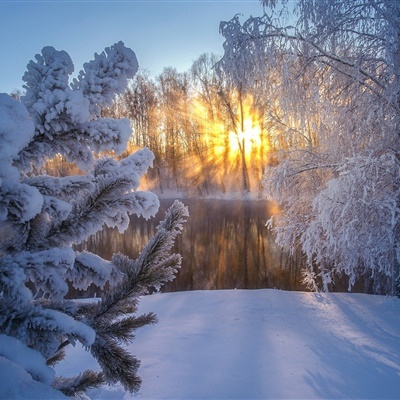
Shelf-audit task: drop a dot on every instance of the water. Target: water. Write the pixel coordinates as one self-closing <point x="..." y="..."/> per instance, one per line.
<point x="225" y="245"/>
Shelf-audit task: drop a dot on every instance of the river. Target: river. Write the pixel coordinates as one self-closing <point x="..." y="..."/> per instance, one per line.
<point x="225" y="245"/>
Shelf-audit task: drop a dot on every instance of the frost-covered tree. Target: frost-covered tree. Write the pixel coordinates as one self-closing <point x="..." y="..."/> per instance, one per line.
<point x="44" y="216"/>
<point x="330" y="79"/>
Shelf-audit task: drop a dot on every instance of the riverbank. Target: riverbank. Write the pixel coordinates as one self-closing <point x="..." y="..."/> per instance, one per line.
<point x="215" y="195"/>
<point x="259" y="344"/>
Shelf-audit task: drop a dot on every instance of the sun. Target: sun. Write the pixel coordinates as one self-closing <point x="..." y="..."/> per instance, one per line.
<point x="237" y="133"/>
<point x="246" y="140"/>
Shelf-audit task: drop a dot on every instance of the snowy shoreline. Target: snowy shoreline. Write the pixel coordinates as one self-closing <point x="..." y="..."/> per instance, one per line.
<point x="248" y="344"/>
<point x="171" y="194"/>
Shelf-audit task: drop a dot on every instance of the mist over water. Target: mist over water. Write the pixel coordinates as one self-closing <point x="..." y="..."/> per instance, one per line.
<point x="224" y="244"/>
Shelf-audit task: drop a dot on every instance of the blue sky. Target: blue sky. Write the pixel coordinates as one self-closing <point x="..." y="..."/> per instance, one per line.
<point x="162" y="33"/>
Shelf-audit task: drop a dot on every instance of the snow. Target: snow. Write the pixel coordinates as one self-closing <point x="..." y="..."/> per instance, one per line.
<point x="18" y="364"/>
<point x="31" y="360"/>
<point x="109" y="133"/>
<point x="16" y="128"/>
<point x="16" y="131"/>
<point x="47" y="268"/>
<point x="100" y="270"/>
<point x="17" y="383"/>
<point x="248" y="344"/>
<point x="106" y="75"/>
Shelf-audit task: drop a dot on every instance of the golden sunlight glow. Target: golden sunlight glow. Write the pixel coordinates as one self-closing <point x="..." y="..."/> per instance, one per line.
<point x="247" y="139"/>
<point x="232" y="139"/>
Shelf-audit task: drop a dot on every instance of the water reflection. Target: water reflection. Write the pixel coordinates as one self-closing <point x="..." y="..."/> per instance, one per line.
<point x="225" y="244"/>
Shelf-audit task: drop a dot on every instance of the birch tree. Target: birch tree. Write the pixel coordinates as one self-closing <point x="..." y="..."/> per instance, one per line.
<point x="331" y="78"/>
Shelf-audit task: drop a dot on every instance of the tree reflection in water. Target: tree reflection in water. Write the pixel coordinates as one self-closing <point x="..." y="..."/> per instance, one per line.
<point x="225" y="244"/>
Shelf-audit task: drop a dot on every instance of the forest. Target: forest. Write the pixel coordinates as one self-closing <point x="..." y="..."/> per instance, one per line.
<point x="206" y="136"/>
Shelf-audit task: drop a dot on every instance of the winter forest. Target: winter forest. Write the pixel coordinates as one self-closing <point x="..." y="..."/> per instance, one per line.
<point x="301" y="109"/>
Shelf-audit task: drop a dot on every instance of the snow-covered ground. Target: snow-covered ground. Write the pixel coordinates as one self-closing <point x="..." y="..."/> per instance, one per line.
<point x="265" y="344"/>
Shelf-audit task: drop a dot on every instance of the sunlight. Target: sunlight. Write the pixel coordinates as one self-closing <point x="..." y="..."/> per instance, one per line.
<point x="247" y="140"/>
<point x="233" y="148"/>
<point x="235" y="131"/>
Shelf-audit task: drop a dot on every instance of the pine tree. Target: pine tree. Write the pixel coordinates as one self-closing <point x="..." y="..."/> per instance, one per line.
<point x="44" y="216"/>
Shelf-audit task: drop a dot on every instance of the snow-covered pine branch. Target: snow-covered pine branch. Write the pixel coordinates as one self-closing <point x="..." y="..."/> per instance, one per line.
<point x="111" y="317"/>
<point x="66" y="116"/>
<point x="43" y="217"/>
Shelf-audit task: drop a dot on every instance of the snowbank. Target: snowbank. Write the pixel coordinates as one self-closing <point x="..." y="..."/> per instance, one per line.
<point x="243" y="344"/>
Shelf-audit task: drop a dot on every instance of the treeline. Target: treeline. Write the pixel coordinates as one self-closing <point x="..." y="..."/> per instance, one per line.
<point x="206" y="137"/>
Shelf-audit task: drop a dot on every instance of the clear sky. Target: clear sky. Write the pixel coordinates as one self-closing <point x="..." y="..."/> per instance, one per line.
<point x="161" y="32"/>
